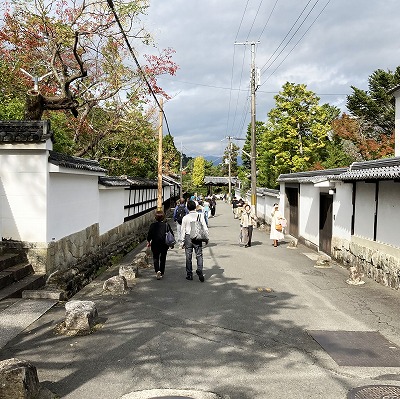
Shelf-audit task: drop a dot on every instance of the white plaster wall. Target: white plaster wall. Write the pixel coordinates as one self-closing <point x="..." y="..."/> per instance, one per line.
<point x="261" y="205"/>
<point x="342" y="211"/>
<point x="388" y="230"/>
<point x="73" y="204"/>
<point x="23" y="171"/>
<point x="309" y="213"/>
<point x="111" y="208"/>
<point x="364" y="210"/>
<point x="397" y="125"/>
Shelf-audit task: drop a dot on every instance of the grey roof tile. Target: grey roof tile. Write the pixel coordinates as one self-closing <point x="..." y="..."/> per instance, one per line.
<point x="25" y="131"/>
<point x="126" y="181"/>
<point x="68" y="161"/>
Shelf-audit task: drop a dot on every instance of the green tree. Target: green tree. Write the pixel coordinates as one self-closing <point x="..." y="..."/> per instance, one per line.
<point x="375" y="111"/>
<point x="375" y="107"/>
<point x="230" y="155"/>
<point x="171" y="156"/>
<point x="129" y="147"/>
<point x="198" y="172"/>
<point x="80" y="45"/>
<point x="245" y="171"/>
<point x="12" y="93"/>
<point x="259" y="130"/>
<point x="296" y="134"/>
<point x="211" y="170"/>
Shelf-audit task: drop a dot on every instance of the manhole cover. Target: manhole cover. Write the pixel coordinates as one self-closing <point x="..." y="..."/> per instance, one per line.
<point x="375" y="392"/>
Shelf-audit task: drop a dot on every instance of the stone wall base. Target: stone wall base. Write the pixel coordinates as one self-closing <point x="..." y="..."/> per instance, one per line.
<point x="77" y="259"/>
<point x="378" y="261"/>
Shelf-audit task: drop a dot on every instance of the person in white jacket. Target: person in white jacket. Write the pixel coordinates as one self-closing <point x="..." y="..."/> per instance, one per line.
<point x="276" y="220"/>
<point x="190" y="244"/>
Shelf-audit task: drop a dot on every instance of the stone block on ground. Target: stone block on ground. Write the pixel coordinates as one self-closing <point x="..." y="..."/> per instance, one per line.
<point x="130" y="272"/>
<point x="355" y="277"/>
<point x="58" y="295"/>
<point x="18" y="380"/>
<point x="80" y="315"/>
<point x="323" y="262"/>
<point x="116" y="285"/>
<point x="141" y="261"/>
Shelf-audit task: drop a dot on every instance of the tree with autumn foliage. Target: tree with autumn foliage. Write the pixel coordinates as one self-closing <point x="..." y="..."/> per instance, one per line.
<point x="91" y="72"/>
<point x="374" y="111"/>
<point x="198" y="173"/>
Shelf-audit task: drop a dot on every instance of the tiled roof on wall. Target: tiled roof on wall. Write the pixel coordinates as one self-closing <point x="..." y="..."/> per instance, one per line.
<point x="267" y="191"/>
<point x="381" y="169"/>
<point x="25" y="131"/>
<point x="68" y="161"/>
<point x="313" y="176"/>
<point x="215" y="180"/>
<point x="126" y="181"/>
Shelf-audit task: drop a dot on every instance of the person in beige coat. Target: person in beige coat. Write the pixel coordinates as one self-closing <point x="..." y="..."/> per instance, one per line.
<point x="248" y="221"/>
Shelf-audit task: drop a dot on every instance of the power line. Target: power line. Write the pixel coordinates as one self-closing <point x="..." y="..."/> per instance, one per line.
<point x="111" y="5"/>
<point x="301" y="38"/>
<point x="294" y="34"/>
<point x="241" y="21"/>
<point x="254" y="20"/>
<point x="244" y="90"/>
<point x="269" y="17"/>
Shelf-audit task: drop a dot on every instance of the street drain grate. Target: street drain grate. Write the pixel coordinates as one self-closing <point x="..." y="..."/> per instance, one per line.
<point x="375" y="392"/>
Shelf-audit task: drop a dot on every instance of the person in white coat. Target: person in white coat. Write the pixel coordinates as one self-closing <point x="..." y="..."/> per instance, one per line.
<point x="276" y="220"/>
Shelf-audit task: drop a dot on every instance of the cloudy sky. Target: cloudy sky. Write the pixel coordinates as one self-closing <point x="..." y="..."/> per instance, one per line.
<point x="329" y="45"/>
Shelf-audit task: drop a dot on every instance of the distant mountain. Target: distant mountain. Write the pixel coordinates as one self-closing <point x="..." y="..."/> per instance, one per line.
<point x="217" y="160"/>
<point x="214" y="159"/>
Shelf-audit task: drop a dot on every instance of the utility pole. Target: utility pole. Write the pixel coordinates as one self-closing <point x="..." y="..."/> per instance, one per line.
<point x="253" y="127"/>
<point x="160" y="143"/>
<point x="229" y="138"/>
<point x="181" y="190"/>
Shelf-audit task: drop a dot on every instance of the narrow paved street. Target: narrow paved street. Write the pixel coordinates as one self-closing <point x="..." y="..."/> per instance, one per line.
<point x="245" y="333"/>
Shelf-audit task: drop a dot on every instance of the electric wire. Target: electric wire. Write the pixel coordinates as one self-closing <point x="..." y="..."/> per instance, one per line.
<point x="111" y="5"/>
<point x="238" y="94"/>
<point x="294" y="34"/>
<point x="232" y="72"/>
<point x="254" y="20"/>
<point x="269" y="17"/>
<point x="287" y="55"/>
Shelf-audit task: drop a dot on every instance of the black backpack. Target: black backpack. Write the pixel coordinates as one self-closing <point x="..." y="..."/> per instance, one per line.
<point x="180" y="213"/>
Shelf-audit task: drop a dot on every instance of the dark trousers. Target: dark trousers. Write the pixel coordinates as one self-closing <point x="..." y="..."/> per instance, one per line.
<point x="159" y="259"/>
<point x="198" y="249"/>
<point x="247" y="234"/>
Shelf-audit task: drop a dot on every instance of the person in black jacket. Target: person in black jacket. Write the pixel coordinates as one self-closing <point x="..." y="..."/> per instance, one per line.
<point x="156" y="240"/>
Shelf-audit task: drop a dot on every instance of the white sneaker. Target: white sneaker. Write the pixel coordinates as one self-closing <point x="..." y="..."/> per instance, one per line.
<point x="158" y="275"/>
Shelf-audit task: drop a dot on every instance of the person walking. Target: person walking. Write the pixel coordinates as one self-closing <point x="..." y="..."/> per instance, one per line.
<point x="156" y="241"/>
<point x="206" y="209"/>
<point x="190" y="244"/>
<point x="179" y="212"/>
<point x="276" y="221"/>
<point x="248" y="221"/>
<point x="213" y="205"/>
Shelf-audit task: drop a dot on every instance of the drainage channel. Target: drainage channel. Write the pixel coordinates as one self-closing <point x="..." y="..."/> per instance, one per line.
<point x="375" y="392"/>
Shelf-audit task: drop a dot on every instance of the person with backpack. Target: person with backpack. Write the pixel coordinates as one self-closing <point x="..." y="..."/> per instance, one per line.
<point x="179" y="212"/>
<point x="156" y="241"/>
